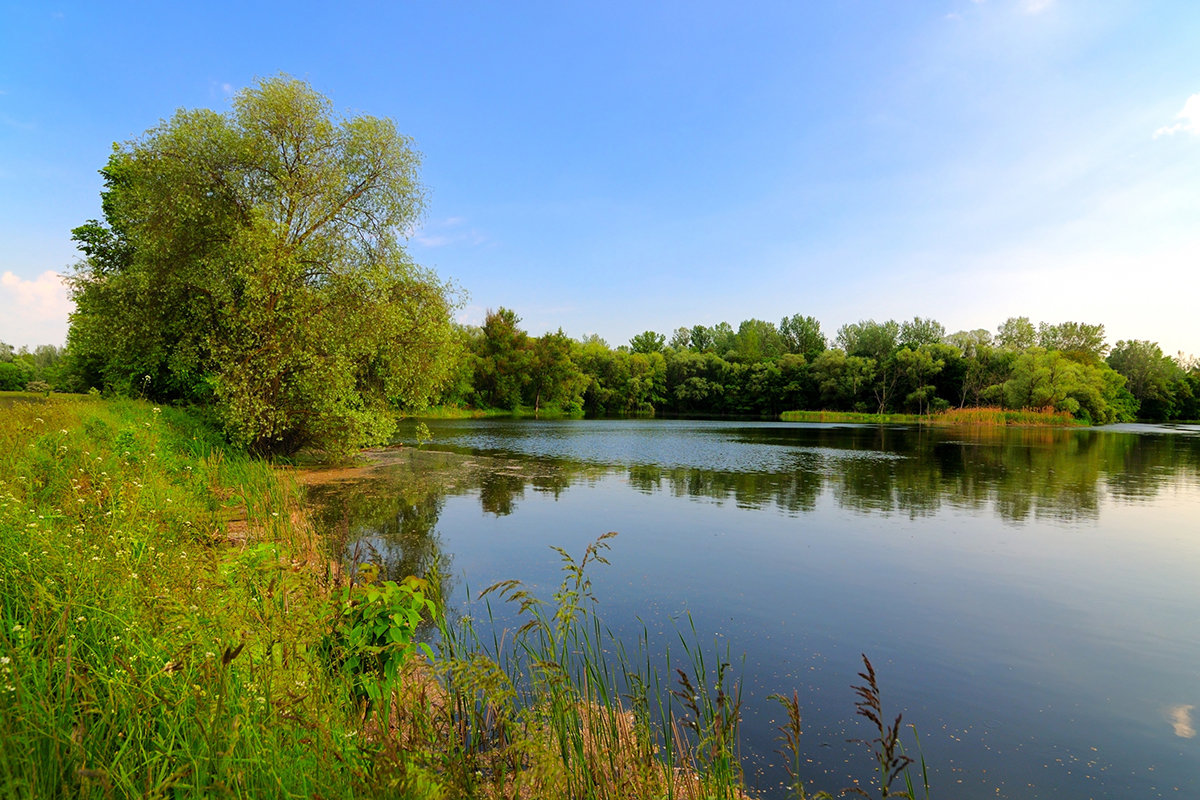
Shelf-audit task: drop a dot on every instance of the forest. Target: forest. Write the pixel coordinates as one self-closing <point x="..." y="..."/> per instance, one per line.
<point x="876" y="367"/>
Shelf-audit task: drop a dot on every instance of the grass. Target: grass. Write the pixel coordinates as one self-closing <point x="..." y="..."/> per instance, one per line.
<point x="171" y="626"/>
<point x="460" y="412"/>
<point x="846" y="416"/>
<point x="1028" y="417"/>
<point x="9" y="399"/>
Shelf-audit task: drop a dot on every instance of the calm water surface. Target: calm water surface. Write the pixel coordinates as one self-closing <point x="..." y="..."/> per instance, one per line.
<point x="1030" y="598"/>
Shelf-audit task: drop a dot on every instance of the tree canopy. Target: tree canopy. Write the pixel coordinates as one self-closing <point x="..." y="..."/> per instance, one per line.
<point x="255" y="261"/>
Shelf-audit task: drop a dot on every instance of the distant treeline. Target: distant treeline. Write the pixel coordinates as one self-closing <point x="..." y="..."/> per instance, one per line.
<point x="41" y="369"/>
<point x="880" y="367"/>
<point x="763" y="369"/>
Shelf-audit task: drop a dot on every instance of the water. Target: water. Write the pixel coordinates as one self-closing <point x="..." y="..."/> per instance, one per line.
<point x="1029" y="597"/>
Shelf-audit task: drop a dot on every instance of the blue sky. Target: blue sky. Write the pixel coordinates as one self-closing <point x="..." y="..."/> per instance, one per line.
<point x="615" y="167"/>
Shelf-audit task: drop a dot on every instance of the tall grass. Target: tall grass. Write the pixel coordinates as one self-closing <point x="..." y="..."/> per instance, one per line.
<point x="140" y="658"/>
<point x="170" y="626"/>
<point x="1031" y="417"/>
<point x="846" y="416"/>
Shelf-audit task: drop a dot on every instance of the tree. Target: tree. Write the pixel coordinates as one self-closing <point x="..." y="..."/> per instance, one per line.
<point x="553" y="376"/>
<point x="870" y="339"/>
<point x="1016" y="333"/>
<point x="1079" y="340"/>
<point x="1148" y="375"/>
<point x="504" y="357"/>
<point x="920" y="332"/>
<point x="254" y="261"/>
<point x="971" y="342"/>
<point x="758" y="340"/>
<point x="841" y="379"/>
<point x="681" y="339"/>
<point x="919" y="366"/>
<point x="701" y="338"/>
<point x="802" y="336"/>
<point x="647" y="342"/>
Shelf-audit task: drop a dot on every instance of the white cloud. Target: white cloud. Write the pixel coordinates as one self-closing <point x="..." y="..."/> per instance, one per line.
<point x="1190" y="116"/>
<point x="1037" y="6"/>
<point x="33" y="312"/>
<point x="439" y="233"/>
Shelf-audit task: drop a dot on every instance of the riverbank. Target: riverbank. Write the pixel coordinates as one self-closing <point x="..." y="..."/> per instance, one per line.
<point x="172" y="624"/>
<point x="953" y="416"/>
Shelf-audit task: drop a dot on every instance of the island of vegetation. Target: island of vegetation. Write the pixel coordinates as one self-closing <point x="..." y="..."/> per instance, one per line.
<point x="174" y="626"/>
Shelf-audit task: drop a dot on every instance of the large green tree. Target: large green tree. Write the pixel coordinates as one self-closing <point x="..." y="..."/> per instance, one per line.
<point x="255" y="260"/>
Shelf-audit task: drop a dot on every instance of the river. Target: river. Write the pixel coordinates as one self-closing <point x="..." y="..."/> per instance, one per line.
<point x="1029" y="597"/>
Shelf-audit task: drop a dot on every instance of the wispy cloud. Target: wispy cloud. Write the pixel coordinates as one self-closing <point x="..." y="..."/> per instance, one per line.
<point x="33" y="311"/>
<point x="1190" y="116"/>
<point x="439" y="233"/>
<point x="1037" y="6"/>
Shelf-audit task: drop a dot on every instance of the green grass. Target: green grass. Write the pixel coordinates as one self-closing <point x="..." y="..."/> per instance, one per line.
<point x="141" y="657"/>
<point x="846" y="416"/>
<point x="460" y="412"/>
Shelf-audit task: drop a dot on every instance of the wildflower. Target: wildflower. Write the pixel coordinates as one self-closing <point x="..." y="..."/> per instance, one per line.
<point x="210" y="655"/>
<point x="5" y="660"/>
<point x="133" y="575"/>
<point x="158" y="411"/>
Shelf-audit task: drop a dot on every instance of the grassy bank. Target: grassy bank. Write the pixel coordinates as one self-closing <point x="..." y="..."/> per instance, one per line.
<point x="952" y="416"/>
<point x="462" y="412"/>
<point x="143" y="654"/>
<point x="171" y="626"/>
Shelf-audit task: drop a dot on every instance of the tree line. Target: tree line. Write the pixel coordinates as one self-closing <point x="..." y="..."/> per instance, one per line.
<point x="763" y="368"/>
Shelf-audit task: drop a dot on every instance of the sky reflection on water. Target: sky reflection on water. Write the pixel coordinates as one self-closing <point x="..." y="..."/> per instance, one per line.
<point x="1029" y="596"/>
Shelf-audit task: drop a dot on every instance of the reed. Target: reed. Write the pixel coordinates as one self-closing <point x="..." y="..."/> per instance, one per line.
<point x="847" y="416"/>
<point x="1031" y="417"/>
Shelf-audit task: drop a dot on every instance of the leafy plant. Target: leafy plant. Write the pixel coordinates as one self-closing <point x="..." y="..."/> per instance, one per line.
<point x="374" y="628"/>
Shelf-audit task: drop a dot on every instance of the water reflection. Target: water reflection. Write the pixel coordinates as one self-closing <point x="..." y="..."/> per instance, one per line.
<point x="1018" y="474"/>
<point x="1031" y="592"/>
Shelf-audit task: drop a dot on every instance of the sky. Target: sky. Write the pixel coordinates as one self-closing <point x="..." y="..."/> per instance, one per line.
<point x="612" y="167"/>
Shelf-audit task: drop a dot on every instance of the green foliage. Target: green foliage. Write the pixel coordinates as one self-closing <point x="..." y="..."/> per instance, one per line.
<point x="373" y="629"/>
<point x="1016" y="333"/>
<point x="503" y="360"/>
<point x="870" y="339"/>
<point x="890" y="368"/>
<point x="1050" y="379"/>
<point x="1155" y="380"/>
<point x="139" y="660"/>
<point x="647" y="342"/>
<point x="802" y="335"/>
<point x="921" y="332"/>
<point x="553" y="376"/>
<point x="1081" y="341"/>
<point x="253" y="261"/>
